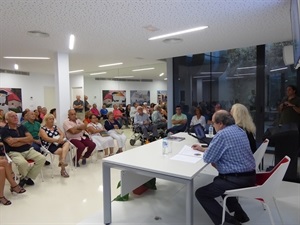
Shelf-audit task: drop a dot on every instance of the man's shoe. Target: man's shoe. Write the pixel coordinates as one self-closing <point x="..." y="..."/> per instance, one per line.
<point x="22" y="182"/>
<point x="241" y="217"/>
<point x="47" y="163"/>
<point x="76" y="163"/>
<point x="83" y="161"/>
<point x="29" y="182"/>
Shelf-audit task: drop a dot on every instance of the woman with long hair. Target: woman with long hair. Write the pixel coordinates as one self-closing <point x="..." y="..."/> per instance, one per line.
<point x="244" y="120"/>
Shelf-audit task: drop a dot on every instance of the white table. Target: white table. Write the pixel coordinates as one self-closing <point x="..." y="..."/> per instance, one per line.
<point x="147" y="160"/>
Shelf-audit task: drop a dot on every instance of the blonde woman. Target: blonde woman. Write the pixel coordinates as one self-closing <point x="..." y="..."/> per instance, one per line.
<point x="100" y="136"/>
<point x="244" y="120"/>
<point x="54" y="140"/>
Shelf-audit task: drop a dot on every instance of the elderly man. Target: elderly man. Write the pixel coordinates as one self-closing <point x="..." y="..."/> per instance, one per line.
<point x="230" y="153"/>
<point x="17" y="141"/>
<point x="75" y="129"/>
<point x="78" y="104"/>
<point x="142" y="120"/>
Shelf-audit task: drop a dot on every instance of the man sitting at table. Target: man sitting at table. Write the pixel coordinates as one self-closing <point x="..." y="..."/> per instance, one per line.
<point x="179" y="121"/>
<point x="142" y="120"/>
<point x="230" y="153"/>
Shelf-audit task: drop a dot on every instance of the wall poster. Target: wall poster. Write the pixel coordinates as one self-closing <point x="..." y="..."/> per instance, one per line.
<point x="161" y="96"/>
<point x="111" y="97"/>
<point x="139" y="97"/>
<point x="11" y="99"/>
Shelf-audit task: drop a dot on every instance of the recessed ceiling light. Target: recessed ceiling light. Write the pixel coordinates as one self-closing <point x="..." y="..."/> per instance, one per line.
<point x="21" y="57"/>
<point x="37" y="33"/>
<point x="71" y="42"/>
<point x="112" y="64"/>
<point x="165" y="78"/>
<point x="76" y="71"/>
<point x="123" y="76"/>
<point x="172" y="40"/>
<point x="178" y="33"/>
<point x="16" y="66"/>
<point x="143" y="69"/>
<point x="93" y="74"/>
<point x="161" y="74"/>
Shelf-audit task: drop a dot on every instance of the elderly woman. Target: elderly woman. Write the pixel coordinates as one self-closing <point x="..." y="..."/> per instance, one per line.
<point x="53" y="139"/>
<point x="198" y="118"/>
<point x="6" y="173"/>
<point x="113" y="128"/>
<point x="100" y="136"/>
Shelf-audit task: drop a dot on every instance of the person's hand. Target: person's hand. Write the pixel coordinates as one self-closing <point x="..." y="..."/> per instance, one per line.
<point x="198" y="147"/>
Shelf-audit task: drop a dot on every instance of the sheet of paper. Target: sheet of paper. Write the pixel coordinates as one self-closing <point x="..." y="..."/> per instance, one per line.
<point x="187" y="154"/>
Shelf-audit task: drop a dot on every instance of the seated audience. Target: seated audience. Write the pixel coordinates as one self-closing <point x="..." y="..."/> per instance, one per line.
<point x="37" y="116"/>
<point x="33" y="127"/>
<point x="145" y="108"/>
<point x="43" y="112"/>
<point x="118" y="115"/>
<point x="104" y="112"/>
<point x="54" y="140"/>
<point x="243" y="119"/>
<point x="100" y="136"/>
<point x="95" y="111"/>
<point x="53" y="112"/>
<point x="87" y="115"/>
<point x="142" y="120"/>
<point x="127" y="114"/>
<point x="179" y="121"/>
<point x="158" y="119"/>
<point x="133" y="110"/>
<point x="17" y="141"/>
<point x="113" y="129"/>
<point x="7" y="173"/>
<point x="74" y="129"/>
<point x="198" y="118"/>
<point x="230" y="153"/>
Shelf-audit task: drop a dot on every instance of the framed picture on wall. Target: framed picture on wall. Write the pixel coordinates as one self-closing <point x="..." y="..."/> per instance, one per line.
<point x="161" y="96"/>
<point x="139" y="97"/>
<point x="11" y="99"/>
<point x="111" y="97"/>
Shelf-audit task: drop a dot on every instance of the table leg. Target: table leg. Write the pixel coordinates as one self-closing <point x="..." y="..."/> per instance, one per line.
<point x="189" y="202"/>
<point x="106" y="194"/>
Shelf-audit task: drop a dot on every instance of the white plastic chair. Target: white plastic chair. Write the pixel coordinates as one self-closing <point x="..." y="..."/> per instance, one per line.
<point x="267" y="184"/>
<point x="259" y="153"/>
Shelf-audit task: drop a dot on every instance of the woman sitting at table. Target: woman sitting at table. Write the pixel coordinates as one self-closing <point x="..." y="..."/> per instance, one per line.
<point x="54" y="140"/>
<point x="113" y="128"/>
<point x="6" y="173"/>
<point x="100" y="136"/>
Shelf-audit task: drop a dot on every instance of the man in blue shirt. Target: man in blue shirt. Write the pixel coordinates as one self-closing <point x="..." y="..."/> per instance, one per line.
<point x="230" y="153"/>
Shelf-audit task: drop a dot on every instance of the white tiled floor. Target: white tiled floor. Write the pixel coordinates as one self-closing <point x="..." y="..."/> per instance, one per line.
<point x="78" y="200"/>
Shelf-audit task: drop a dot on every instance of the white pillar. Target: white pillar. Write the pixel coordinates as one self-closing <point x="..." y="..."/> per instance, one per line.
<point x="62" y="87"/>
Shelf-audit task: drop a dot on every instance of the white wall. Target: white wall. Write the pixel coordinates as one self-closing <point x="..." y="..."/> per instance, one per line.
<point x="32" y="86"/>
<point x="93" y="88"/>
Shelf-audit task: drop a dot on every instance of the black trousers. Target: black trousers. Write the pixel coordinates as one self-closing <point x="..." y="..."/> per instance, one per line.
<point x="206" y="195"/>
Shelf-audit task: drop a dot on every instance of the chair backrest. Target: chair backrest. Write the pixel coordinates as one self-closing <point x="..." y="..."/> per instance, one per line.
<point x="271" y="180"/>
<point x="259" y="153"/>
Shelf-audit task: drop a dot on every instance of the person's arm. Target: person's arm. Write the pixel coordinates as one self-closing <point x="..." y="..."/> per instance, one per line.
<point x="45" y="137"/>
<point x="92" y="130"/>
<point x="19" y="141"/>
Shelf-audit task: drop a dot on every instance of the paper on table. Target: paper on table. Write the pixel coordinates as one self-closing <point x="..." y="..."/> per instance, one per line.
<point x="187" y="154"/>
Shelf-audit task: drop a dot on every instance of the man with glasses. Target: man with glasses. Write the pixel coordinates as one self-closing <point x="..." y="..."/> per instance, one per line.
<point x="230" y="153"/>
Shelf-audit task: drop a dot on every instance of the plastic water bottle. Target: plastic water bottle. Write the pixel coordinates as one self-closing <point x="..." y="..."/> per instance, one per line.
<point x="165" y="144"/>
<point x="210" y="131"/>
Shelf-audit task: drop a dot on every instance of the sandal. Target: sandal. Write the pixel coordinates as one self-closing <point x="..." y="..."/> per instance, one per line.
<point x="4" y="201"/>
<point x="18" y="189"/>
<point x="64" y="174"/>
<point x="62" y="164"/>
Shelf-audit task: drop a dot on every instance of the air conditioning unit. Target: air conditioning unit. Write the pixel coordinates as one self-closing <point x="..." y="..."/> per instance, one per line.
<point x="288" y="55"/>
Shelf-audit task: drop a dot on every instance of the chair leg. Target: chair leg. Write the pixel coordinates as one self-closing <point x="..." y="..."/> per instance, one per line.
<point x="275" y="202"/>
<point x="224" y="209"/>
<point x="270" y="214"/>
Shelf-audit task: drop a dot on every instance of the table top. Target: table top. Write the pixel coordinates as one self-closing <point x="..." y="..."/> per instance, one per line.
<point x="149" y="158"/>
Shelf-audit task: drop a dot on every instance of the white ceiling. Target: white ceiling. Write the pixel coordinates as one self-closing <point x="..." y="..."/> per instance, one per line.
<point x="109" y="31"/>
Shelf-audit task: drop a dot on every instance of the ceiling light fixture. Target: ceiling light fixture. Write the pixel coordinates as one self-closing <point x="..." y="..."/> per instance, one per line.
<point x="71" y="42"/>
<point x="21" y="57"/>
<point x="76" y="71"/>
<point x="93" y="74"/>
<point x="112" y="64"/>
<point x="165" y="78"/>
<point x="143" y="69"/>
<point x="161" y="74"/>
<point x="123" y="76"/>
<point x="278" y="69"/>
<point x="178" y="33"/>
<point x="16" y="66"/>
